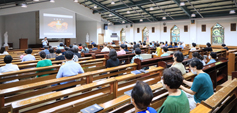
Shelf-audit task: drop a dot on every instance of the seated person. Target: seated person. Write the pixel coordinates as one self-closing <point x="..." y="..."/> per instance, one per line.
<point x="8" y="68"/>
<point x="66" y="48"/>
<point x="171" y="45"/>
<point x="141" y="97"/>
<point x="175" y="45"/>
<point x="94" y="47"/>
<point x="61" y="46"/>
<point x="137" y="55"/>
<point x="75" y="57"/>
<point x="113" y="61"/>
<point x="43" y="63"/>
<point x="46" y="50"/>
<point x="208" y="48"/>
<point x="181" y="45"/>
<point x="51" y="54"/>
<point x="74" y="45"/>
<point x="105" y="48"/>
<point x="80" y="46"/>
<point x="126" y="48"/>
<point x="59" y="55"/>
<point x="121" y="52"/>
<point x="70" y="46"/>
<point x="198" y="56"/>
<point x="212" y="58"/>
<point x="113" y="44"/>
<point x="201" y="87"/>
<point x="85" y="49"/>
<point x="144" y="45"/>
<point x="3" y="51"/>
<point x="166" y="43"/>
<point x="158" y="49"/>
<point x="24" y="54"/>
<point x="193" y="48"/>
<point x="70" y="68"/>
<point x="151" y="45"/>
<point x="165" y="49"/>
<point x="162" y="44"/>
<point x="28" y="57"/>
<point x="92" y="43"/>
<point x="177" y="101"/>
<point x="224" y="47"/>
<point x="75" y="50"/>
<point x="178" y="59"/>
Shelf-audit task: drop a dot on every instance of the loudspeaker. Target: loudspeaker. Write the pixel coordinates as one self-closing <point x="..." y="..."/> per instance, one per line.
<point x="192" y="21"/>
<point x="105" y="26"/>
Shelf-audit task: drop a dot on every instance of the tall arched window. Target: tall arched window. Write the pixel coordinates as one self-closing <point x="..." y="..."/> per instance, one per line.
<point x="217" y="34"/>
<point x="122" y="35"/>
<point x="145" y="35"/>
<point x="175" y="34"/>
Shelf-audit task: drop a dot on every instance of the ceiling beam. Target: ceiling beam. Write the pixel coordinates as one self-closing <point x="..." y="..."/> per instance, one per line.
<point x="109" y="10"/>
<point x="185" y="9"/>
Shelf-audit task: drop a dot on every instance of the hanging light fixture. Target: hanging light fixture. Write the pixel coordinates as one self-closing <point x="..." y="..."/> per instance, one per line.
<point x="151" y="8"/>
<point x="182" y="4"/>
<point x="164" y="18"/>
<point x="112" y="2"/>
<point x="232" y="11"/>
<point x="141" y="20"/>
<point x="75" y="0"/>
<point x="128" y="12"/>
<point x="24" y="5"/>
<point x="193" y="15"/>
<point x="52" y="1"/>
<point x="95" y="6"/>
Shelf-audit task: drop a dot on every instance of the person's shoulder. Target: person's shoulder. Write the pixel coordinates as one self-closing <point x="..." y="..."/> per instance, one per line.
<point x="151" y="110"/>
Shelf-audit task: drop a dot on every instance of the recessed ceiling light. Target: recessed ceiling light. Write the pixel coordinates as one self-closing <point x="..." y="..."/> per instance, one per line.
<point x="112" y="2"/>
<point x="232" y="11"/>
<point x="52" y="1"/>
<point x="182" y="4"/>
<point x="95" y="6"/>
<point x="75" y="0"/>
<point x="193" y="15"/>
<point x="110" y="14"/>
<point x="164" y="18"/>
<point x="123" y="22"/>
<point x="109" y="23"/>
<point x="151" y="8"/>
<point x="128" y="12"/>
<point x="24" y="5"/>
<point x="141" y="20"/>
<point x="36" y="0"/>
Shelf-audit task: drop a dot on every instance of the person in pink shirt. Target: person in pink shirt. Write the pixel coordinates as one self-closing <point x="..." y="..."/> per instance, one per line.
<point x="121" y="52"/>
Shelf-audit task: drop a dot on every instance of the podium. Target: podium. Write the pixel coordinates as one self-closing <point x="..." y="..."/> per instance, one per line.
<point x="23" y="43"/>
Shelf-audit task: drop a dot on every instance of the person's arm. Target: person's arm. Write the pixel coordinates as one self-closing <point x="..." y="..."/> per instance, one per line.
<point x="188" y="83"/>
<point x="60" y="73"/>
<point x="80" y="70"/>
<point x="187" y="90"/>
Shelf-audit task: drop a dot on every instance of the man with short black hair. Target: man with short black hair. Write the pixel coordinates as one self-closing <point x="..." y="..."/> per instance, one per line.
<point x="43" y="63"/>
<point x="105" y="49"/>
<point x="212" y="58"/>
<point x="28" y="57"/>
<point x="224" y="47"/>
<point x="46" y="50"/>
<point x="9" y="67"/>
<point x="94" y="47"/>
<point x="137" y="55"/>
<point x="165" y="49"/>
<point x="121" y="52"/>
<point x="59" y="55"/>
<point x="70" y="68"/>
<point x="208" y="48"/>
<point x="177" y="101"/>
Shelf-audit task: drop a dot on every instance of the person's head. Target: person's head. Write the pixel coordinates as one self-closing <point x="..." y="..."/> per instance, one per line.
<point x="131" y="43"/>
<point x="2" y="49"/>
<point x="157" y="45"/>
<point x="197" y="55"/>
<point x="46" y="47"/>
<point x="8" y="59"/>
<point x="166" y="42"/>
<point x="175" y="44"/>
<point x="165" y="49"/>
<point x="140" y="41"/>
<point x="134" y="43"/>
<point x="195" y="65"/>
<point x="29" y="51"/>
<point x="113" y="54"/>
<point x="42" y="55"/>
<point x="161" y="43"/>
<point x="223" y="45"/>
<point x="172" y="78"/>
<point x="144" y="44"/>
<point x="122" y="46"/>
<point x="45" y="38"/>
<point x="25" y="51"/>
<point x="94" y="45"/>
<point x="79" y="45"/>
<point x="70" y="46"/>
<point x="113" y="43"/>
<point x="212" y="55"/>
<point x="75" y="50"/>
<point x="74" y="43"/>
<point x="171" y="43"/>
<point x="51" y="50"/>
<point x="126" y="47"/>
<point x="150" y="43"/>
<point x="66" y="48"/>
<point x="105" y="45"/>
<point x="208" y="44"/>
<point x="69" y="55"/>
<point x="91" y="41"/>
<point x="138" y="51"/>
<point x="181" y="43"/>
<point x="178" y="56"/>
<point x="58" y="51"/>
<point x="141" y="95"/>
<point x="194" y="44"/>
<point x="61" y="44"/>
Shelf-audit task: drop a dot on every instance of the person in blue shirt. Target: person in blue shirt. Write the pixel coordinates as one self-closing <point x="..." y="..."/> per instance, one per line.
<point x="46" y="50"/>
<point x="28" y="57"/>
<point x="212" y="58"/>
<point x="166" y="43"/>
<point x="224" y="47"/>
<point x="175" y="45"/>
<point x="165" y="49"/>
<point x="171" y="45"/>
<point x="201" y="87"/>
<point x="94" y="47"/>
<point x="181" y="45"/>
<point x="141" y="98"/>
<point x="92" y="43"/>
<point x="45" y="42"/>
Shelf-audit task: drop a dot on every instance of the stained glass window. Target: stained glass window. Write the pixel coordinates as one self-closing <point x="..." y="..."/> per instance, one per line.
<point x="145" y="34"/>
<point x="123" y="35"/>
<point x="217" y="34"/>
<point x="175" y="34"/>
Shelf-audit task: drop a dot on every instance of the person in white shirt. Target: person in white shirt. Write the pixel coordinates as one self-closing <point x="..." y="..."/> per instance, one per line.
<point x="9" y="67"/>
<point x="105" y="49"/>
<point x="75" y="45"/>
<point x="45" y="42"/>
<point x="28" y="57"/>
<point x="3" y="52"/>
<point x="193" y="47"/>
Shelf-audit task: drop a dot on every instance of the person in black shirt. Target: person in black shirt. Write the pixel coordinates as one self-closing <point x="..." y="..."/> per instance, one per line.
<point x="66" y="48"/>
<point x="113" y="60"/>
<point x="59" y="55"/>
<point x="208" y="48"/>
<point x="75" y="51"/>
<point x="224" y="47"/>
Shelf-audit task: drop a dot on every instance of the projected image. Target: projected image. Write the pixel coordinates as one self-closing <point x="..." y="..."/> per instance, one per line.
<point x="58" y="26"/>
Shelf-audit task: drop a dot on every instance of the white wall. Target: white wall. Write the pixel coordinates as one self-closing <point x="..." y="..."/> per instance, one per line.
<point x="1" y="30"/>
<point x="194" y="33"/>
<point x="20" y="26"/>
<point x="84" y="27"/>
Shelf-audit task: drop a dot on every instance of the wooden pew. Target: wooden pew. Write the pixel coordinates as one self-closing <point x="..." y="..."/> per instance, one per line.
<point x="222" y="101"/>
<point x="230" y="51"/>
<point x="191" y="53"/>
<point x="174" y="49"/>
<point x="185" y="51"/>
<point x="115" y="87"/>
<point x="232" y="64"/>
<point x="151" y="50"/>
<point x="220" y="53"/>
<point x="145" y="49"/>
<point x="90" y="77"/>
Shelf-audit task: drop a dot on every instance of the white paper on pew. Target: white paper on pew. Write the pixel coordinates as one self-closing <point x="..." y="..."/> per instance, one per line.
<point x="122" y="88"/>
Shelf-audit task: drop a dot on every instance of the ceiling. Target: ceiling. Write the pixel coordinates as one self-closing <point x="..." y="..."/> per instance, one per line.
<point x="140" y="9"/>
